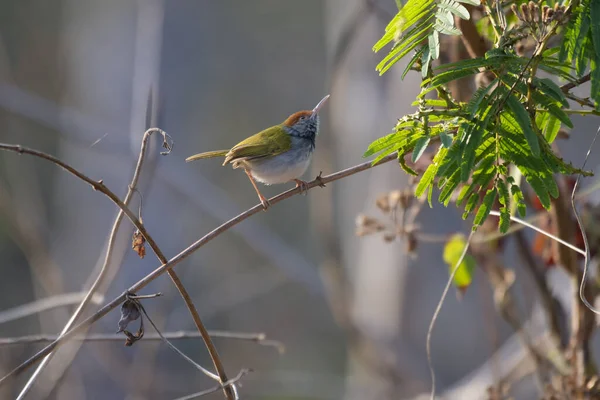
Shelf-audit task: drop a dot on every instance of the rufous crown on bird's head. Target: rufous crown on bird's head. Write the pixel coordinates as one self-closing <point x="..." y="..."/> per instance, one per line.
<point x="295" y="117"/>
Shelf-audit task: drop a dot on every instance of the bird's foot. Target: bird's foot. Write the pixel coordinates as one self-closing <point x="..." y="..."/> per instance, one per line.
<point x="265" y="203"/>
<point x="319" y="180"/>
<point x="302" y="185"/>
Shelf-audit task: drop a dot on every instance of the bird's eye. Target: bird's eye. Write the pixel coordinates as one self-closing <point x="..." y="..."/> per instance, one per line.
<point x="302" y="118"/>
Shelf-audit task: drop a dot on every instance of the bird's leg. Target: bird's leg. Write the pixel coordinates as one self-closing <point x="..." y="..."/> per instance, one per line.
<point x="263" y="200"/>
<point x="302" y="185"/>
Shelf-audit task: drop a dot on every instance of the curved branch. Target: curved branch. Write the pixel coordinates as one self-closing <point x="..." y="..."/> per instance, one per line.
<point x="124" y="209"/>
<point x="318" y="181"/>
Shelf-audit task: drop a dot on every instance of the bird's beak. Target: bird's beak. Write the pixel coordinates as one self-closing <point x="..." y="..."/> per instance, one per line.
<point x="315" y="110"/>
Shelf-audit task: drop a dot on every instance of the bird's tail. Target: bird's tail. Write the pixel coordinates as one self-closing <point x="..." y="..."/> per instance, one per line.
<point x="208" y="154"/>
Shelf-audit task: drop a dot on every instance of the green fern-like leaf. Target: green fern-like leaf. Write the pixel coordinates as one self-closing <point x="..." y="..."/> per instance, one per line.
<point x="471" y="203"/>
<point x="519" y="199"/>
<point x="418" y="21"/>
<point x="524" y="120"/>
<point x="504" y="199"/>
<point x="430" y="173"/>
<point x="485" y="207"/>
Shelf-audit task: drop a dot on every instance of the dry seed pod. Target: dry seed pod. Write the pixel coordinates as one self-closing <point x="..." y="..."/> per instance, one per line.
<point x="389" y="237"/>
<point x="394" y="198"/>
<point x="547" y="13"/>
<point x="536" y="13"/>
<point x="525" y="13"/>
<point x="513" y="8"/>
<point x="138" y="243"/>
<point x="383" y="203"/>
<point x="367" y="225"/>
<point x="411" y="244"/>
<point x="406" y="199"/>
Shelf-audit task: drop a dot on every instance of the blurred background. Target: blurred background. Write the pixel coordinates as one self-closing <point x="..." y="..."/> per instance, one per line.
<point x="76" y="80"/>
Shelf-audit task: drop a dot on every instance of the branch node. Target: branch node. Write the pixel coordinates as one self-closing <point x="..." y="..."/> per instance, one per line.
<point x="319" y="180"/>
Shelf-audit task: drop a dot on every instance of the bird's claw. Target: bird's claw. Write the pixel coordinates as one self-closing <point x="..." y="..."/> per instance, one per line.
<point x="302" y="185"/>
<point x="265" y="203"/>
<point x="319" y="180"/>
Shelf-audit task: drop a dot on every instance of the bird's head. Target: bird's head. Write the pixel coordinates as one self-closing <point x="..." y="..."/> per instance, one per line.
<point x="305" y="123"/>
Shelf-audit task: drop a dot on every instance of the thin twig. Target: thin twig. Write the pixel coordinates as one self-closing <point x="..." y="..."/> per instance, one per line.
<point x="124" y="209"/>
<point x="586" y="254"/>
<point x="543" y="232"/>
<point x="38" y="306"/>
<point x="319" y="181"/>
<point x="176" y="350"/>
<point x="258" y="338"/>
<point x="437" y="311"/>
<point x="233" y="380"/>
<point x="111" y="241"/>
<point x="571" y="85"/>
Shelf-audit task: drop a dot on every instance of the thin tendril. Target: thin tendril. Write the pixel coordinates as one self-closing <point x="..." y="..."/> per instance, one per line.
<point x="543" y="232"/>
<point x="437" y="313"/>
<point x="585" y="240"/>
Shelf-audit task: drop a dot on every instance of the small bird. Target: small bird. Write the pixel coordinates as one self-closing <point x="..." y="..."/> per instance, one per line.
<point x="278" y="154"/>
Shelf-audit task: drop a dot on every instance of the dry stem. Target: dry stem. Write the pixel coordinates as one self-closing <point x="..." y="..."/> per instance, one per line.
<point x="99" y="186"/>
<point x="319" y="181"/>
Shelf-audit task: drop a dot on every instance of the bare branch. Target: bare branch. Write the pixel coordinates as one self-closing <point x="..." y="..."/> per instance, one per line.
<point x="232" y="381"/>
<point x="258" y="338"/>
<point x="571" y="85"/>
<point x="112" y="236"/>
<point x="99" y="186"/>
<point x="319" y="181"/>
<point x="47" y="303"/>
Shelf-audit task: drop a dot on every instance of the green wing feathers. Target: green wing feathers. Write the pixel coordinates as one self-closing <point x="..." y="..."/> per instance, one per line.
<point x="270" y="142"/>
<point x="208" y="154"/>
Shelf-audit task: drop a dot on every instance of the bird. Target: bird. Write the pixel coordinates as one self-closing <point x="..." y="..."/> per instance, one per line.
<point x="278" y="154"/>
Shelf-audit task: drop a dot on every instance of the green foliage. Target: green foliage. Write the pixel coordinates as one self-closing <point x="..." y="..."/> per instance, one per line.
<point x="581" y="43"/>
<point x="452" y="253"/>
<point x="420" y="21"/>
<point x="509" y="122"/>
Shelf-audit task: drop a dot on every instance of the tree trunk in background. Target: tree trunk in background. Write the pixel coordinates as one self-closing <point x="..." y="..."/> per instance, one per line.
<point x="393" y="297"/>
<point x="363" y="107"/>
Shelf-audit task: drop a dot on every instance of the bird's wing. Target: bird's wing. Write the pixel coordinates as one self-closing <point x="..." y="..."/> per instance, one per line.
<point x="270" y="142"/>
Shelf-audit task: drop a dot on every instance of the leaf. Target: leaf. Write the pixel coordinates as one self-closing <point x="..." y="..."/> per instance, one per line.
<point x="452" y="253"/>
<point x="485" y="207"/>
<point x="550" y="88"/>
<point x="430" y="173"/>
<point x="504" y="199"/>
<point x="519" y="200"/>
<point x="549" y="125"/>
<point x="471" y="2"/>
<point x="534" y="169"/>
<point x="595" y="18"/>
<point x="413" y="60"/>
<point x="448" y="76"/>
<point x="471" y="203"/>
<point x="474" y="104"/>
<point x="405" y="167"/>
<point x="446" y="140"/>
<point x="455" y="8"/>
<point x="524" y="120"/>
<point x="434" y="45"/>
<point x="445" y="29"/>
<point x="420" y="147"/>
<point x="425" y="61"/>
<point x="595" y="78"/>
<point x="448" y="187"/>
<point x="383" y="143"/>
